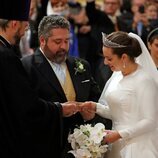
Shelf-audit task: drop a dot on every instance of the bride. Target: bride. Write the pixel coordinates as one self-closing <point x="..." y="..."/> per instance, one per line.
<point x="129" y="98"/>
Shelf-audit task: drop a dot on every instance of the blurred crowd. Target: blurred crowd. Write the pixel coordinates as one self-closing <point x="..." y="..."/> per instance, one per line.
<point x="88" y="20"/>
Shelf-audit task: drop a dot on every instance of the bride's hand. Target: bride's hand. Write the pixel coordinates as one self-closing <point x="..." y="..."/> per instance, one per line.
<point x="111" y="136"/>
<point x="87" y="110"/>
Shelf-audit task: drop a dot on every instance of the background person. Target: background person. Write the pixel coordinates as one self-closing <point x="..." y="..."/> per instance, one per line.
<point x="152" y="41"/>
<point x="29" y="42"/>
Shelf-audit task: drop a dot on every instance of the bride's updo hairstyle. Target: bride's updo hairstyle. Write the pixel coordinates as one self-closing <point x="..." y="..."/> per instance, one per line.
<point x="122" y="43"/>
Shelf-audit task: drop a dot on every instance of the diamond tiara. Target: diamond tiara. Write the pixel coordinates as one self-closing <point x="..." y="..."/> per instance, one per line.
<point x="110" y="44"/>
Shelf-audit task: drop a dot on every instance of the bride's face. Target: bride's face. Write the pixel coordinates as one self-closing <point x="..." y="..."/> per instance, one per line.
<point x="111" y="59"/>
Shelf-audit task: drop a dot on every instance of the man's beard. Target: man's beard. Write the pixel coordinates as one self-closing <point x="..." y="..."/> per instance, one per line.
<point x="60" y="57"/>
<point x="57" y="57"/>
<point x="17" y="38"/>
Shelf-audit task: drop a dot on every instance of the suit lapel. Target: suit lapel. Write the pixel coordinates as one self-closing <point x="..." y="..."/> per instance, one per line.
<point x="47" y="72"/>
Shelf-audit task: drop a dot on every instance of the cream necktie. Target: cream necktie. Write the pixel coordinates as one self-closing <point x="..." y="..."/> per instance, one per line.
<point x="60" y="73"/>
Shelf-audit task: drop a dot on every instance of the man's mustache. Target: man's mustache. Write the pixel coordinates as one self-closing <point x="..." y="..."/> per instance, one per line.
<point x="62" y="52"/>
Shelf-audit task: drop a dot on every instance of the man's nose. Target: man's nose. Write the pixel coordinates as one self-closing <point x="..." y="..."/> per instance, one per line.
<point x="63" y="45"/>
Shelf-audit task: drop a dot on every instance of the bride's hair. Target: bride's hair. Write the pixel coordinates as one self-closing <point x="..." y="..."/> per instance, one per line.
<point x="122" y="43"/>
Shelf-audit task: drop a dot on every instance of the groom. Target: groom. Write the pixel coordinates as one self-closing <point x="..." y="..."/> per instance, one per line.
<point x="78" y="85"/>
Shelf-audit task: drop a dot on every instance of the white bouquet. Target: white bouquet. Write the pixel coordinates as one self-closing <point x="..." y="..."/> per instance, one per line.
<point x="86" y="141"/>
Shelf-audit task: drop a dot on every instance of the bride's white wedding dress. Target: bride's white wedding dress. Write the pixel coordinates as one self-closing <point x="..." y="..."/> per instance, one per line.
<point x="128" y="101"/>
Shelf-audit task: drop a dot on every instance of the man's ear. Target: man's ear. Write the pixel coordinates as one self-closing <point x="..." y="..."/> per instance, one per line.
<point x="14" y="24"/>
<point x="42" y="41"/>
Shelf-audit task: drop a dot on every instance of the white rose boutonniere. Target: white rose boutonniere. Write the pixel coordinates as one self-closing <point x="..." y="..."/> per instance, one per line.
<point x="86" y="141"/>
<point x="79" y="67"/>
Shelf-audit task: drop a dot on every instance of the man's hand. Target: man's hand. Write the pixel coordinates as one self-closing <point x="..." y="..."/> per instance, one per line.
<point x="69" y="108"/>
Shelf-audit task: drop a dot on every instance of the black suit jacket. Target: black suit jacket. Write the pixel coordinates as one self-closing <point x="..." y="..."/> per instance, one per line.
<point x="48" y="87"/>
<point x="29" y="126"/>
